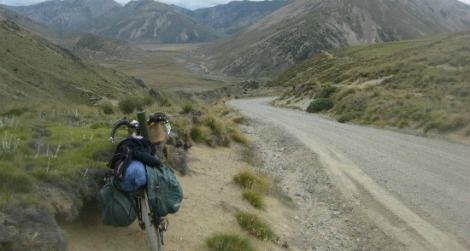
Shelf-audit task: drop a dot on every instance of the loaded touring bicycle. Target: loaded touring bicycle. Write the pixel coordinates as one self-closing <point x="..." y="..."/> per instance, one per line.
<point x="154" y="192"/>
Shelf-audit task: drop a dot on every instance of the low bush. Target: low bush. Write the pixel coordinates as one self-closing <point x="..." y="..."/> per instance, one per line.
<point x="187" y="108"/>
<point x="15" y="181"/>
<point x="326" y="92"/>
<point x="254" y="226"/>
<point x="226" y="242"/>
<point x="255" y="198"/>
<point x="320" y="104"/>
<point x="131" y="104"/>
<point x="107" y="108"/>
<point x="198" y="134"/>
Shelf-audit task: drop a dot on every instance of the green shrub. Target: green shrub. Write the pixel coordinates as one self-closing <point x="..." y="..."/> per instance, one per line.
<point x="187" y="108"/>
<point x="130" y="104"/>
<point x="255" y="198"/>
<point x="326" y="92"/>
<point x="107" y="108"/>
<point x="319" y="105"/>
<point x="249" y="180"/>
<point x="225" y="242"/>
<point x="15" y="181"/>
<point x="254" y="226"/>
<point x="198" y="134"/>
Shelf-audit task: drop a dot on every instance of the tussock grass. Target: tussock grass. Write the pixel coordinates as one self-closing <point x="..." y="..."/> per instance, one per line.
<point x="255" y="226"/>
<point x="239" y="120"/>
<point x="250" y="181"/>
<point x="419" y="84"/>
<point x="255" y="198"/>
<point x="227" y="242"/>
<point x="238" y="137"/>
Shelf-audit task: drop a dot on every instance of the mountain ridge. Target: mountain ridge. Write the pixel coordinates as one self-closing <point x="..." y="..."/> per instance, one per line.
<point x="304" y="28"/>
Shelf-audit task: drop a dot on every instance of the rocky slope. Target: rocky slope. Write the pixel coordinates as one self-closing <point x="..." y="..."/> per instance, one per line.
<point x="303" y="28"/>
<point x="33" y="68"/>
<point x="68" y="15"/>
<point x="234" y="16"/>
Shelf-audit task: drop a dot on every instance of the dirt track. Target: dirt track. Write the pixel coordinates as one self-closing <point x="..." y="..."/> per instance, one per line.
<point x="416" y="189"/>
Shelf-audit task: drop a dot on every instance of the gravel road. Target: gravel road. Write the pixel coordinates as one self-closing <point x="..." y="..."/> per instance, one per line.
<point x="417" y="189"/>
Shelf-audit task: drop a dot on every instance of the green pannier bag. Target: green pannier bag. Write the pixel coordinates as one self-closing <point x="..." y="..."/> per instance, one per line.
<point x="164" y="191"/>
<point x="117" y="209"/>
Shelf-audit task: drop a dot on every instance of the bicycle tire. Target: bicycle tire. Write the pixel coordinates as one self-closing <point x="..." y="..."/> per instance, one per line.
<point x="153" y="235"/>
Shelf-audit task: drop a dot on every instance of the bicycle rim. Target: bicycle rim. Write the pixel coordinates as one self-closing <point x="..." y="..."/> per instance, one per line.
<point x="154" y="238"/>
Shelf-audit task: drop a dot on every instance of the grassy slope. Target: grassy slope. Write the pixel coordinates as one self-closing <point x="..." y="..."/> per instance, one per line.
<point x="32" y="68"/>
<point x="421" y="84"/>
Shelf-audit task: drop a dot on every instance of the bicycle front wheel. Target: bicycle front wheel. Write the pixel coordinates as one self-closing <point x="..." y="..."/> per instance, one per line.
<point x="153" y="234"/>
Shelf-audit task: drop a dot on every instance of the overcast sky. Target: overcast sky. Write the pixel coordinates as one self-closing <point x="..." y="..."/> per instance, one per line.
<point x="190" y="4"/>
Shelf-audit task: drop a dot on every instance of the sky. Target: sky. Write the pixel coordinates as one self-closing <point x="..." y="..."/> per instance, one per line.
<point x="189" y="4"/>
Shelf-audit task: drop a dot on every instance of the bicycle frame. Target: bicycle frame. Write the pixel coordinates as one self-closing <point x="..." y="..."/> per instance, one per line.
<point x="148" y="220"/>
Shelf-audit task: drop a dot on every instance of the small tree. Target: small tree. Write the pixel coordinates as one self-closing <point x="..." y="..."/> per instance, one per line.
<point x="320" y="104"/>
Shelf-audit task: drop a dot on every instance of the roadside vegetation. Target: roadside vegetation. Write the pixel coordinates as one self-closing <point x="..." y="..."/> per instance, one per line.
<point x="225" y="242"/>
<point x="420" y="84"/>
<point x="45" y="144"/>
<point x="255" y="226"/>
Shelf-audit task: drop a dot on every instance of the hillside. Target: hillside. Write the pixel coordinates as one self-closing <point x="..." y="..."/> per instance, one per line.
<point x="26" y="23"/>
<point x="32" y="68"/>
<point x="419" y="84"/>
<point x="147" y="20"/>
<point x="234" y="16"/>
<point x="304" y="28"/>
<point x="68" y="15"/>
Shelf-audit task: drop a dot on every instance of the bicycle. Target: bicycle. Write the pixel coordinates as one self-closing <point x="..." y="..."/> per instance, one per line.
<point x="148" y="220"/>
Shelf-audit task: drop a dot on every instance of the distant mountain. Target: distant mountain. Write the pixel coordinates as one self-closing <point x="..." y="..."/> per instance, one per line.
<point x="306" y="27"/>
<point x="232" y="17"/>
<point x="32" y="68"/>
<point x="68" y="15"/>
<point x="147" y="20"/>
